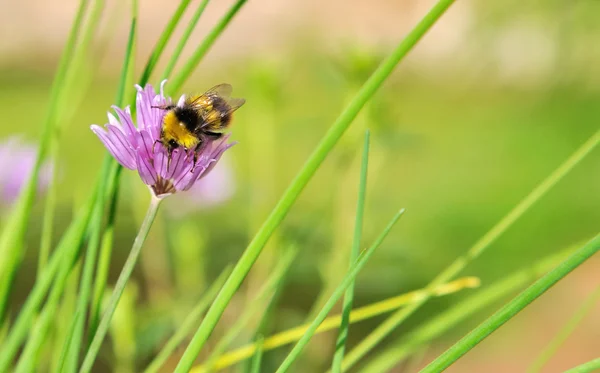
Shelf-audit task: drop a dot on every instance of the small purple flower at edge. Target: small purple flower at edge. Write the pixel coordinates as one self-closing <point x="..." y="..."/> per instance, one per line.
<point x="139" y="148"/>
<point x="17" y="160"/>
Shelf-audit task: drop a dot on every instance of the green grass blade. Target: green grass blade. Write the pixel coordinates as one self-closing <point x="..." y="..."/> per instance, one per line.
<point x="265" y="293"/>
<point x="28" y="361"/>
<point x="513" y="307"/>
<point x="337" y="294"/>
<point x="184" y="39"/>
<point x="340" y="345"/>
<point x="333" y="322"/>
<point x="64" y="353"/>
<point x="67" y="248"/>
<point x="178" y="80"/>
<point x="184" y="330"/>
<point x="103" y="266"/>
<point x="464" y="310"/>
<point x="49" y="209"/>
<point x="75" y="343"/>
<point x="590" y="366"/>
<point x="385" y="328"/>
<point x="303" y="177"/>
<point x="12" y="240"/>
<point x="257" y="359"/>
<point x="162" y="41"/>
<point x="565" y="332"/>
<point x="126" y="272"/>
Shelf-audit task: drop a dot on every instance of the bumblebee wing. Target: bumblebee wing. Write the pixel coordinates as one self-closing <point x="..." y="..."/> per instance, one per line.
<point x="223" y="90"/>
<point x="235" y="103"/>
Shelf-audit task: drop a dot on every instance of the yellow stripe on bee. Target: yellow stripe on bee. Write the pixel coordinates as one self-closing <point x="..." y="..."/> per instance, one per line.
<point x="175" y="130"/>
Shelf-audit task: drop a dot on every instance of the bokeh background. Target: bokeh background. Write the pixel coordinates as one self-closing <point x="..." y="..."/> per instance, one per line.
<point x="492" y="100"/>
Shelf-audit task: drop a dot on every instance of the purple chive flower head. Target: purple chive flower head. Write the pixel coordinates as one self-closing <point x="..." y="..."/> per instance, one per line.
<point x="138" y="148"/>
<point x="17" y="160"/>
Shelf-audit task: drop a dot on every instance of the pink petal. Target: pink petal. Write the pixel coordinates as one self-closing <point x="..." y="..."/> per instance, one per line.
<point x="112" y="144"/>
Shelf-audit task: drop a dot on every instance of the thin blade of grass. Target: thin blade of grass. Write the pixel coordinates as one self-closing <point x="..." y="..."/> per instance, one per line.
<point x="162" y="41"/>
<point x="513" y="307"/>
<point x="590" y="366"/>
<point x="565" y="332"/>
<point x="203" y="48"/>
<point x="337" y="294"/>
<point x="257" y="359"/>
<point x="74" y="344"/>
<point x="358" y="225"/>
<point x="458" y="313"/>
<point x="103" y="266"/>
<point x="265" y="293"/>
<point x="184" y="39"/>
<point x="333" y="322"/>
<point x="64" y="352"/>
<point x="312" y="164"/>
<point x="63" y="258"/>
<point x="385" y="328"/>
<point x="189" y="322"/>
<point x="12" y="239"/>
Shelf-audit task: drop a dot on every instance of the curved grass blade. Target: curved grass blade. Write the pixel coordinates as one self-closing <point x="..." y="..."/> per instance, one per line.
<point x="385" y="328"/>
<point x="312" y="164"/>
<point x="513" y="307"/>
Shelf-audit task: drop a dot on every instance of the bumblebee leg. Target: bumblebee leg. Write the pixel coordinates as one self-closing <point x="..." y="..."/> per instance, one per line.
<point x="196" y="151"/>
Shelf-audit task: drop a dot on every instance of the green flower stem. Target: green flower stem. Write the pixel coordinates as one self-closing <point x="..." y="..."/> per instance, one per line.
<point x="590" y="366"/>
<point x="565" y="332"/>
<point x="184" y="39"/>
<point x="336" y="366"/>
<point x="188" y="324"/>
<point x="178" y="80"/>
<point x="392" y="322"/>
<point x="337" y="294"/>
<point x="162" y="41"/>
<point x="464" y="310"/>
<point x="311" y="166"/>
<point x="12" y="240"/>
<point x="126" y="272"/>
<point x="513" y="307"/>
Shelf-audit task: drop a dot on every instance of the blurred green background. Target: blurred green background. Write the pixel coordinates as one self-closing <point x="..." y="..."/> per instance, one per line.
<point x="491" y="101"/>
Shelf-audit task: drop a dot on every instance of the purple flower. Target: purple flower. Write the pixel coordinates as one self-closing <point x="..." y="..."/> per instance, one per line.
<point x="139" y="148"/>
<point x="17" y="160"/>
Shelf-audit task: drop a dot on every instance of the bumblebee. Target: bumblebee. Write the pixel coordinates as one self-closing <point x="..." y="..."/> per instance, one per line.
<point x="200" y="118"/>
